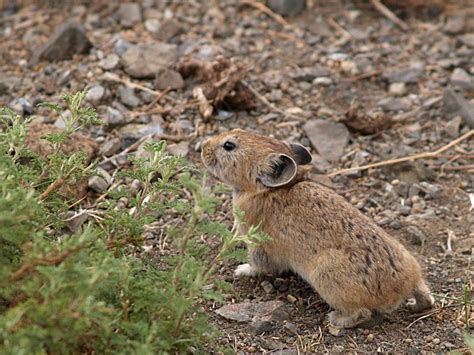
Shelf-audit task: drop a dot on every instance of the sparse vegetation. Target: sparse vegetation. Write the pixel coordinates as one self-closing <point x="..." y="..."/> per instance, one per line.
<point x="89" y="292"/>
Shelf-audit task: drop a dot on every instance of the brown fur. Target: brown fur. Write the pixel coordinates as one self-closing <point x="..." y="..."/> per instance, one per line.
<point x="353" y="264"/>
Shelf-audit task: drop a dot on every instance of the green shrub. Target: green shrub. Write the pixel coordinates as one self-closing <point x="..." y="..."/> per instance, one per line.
<point x="89" y="292"/>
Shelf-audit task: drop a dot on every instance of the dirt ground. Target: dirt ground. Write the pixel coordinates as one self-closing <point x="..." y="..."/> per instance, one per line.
<point x="337" y="61"/>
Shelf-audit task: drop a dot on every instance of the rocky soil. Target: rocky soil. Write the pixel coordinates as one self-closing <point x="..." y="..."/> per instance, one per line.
<point x="338" y="77"/>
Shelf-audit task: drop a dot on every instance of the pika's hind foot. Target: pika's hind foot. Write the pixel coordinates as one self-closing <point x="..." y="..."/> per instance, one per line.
<point x="422" y="298"/>
<point x="349" y="320"/>
<point x="245" y="270"/>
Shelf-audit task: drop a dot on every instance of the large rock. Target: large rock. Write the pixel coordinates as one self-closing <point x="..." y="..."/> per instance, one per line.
<point x="328" y="137"/>
<point x="455" y="104"/>
<point x="146" y="60"/>
<point x="68" y="40"/>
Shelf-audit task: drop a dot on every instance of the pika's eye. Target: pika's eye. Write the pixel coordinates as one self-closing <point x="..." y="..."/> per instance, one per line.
<point x="229" y="146"/>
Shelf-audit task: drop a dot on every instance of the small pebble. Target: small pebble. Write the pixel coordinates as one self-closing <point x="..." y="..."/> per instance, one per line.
<point x="370" y="338"/>
<point x="291" y="298"/>
<point x="267" y="286"/>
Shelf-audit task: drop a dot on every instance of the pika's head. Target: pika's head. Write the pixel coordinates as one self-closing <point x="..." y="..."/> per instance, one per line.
<point x="252" y="162"/>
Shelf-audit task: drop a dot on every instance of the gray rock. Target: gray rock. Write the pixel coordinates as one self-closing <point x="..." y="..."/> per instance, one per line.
<point x="261" y="326"/>
<point x="100" y="182"/>
<point x="110" y="62"/>
<point x="454" y="24"/>
<point x="309" y="73"/>
<point x="110" y="147"/>
<point x="3" y="88"/>
<point x="129" y="14"/>
<point x="462" y="79"/>
<point x="455" y="104"/>
<point x="319" y="27"/>
<point x="114" y="117"/>
<point x="121" y="45"/>
<point x="267" y="286"/>
<point x="146" y="60"/>
<point x="407" y="75"/>
<point x="431" y="190"/>
<point x="168" y="30"/>
<point x="68" y="40"/>
<point x="291" y="328"/>
<point x="247" y="311"/>
<point x="127" y="96"/>
<point x="275" y="95"/>
<point x="168" y="78"/>
<point x="287" y="7"/>
<point x="22" y="105"/>
<point x="133" y="132"/>
<point x="305" y="86"/>
<point x="240" y="312"/>
<point x="328" y="137"/>
<point x="320" y="164"/>
<point x="429" y="103"/>
<point x="398" y="89"/>
<point x="453" y="127"/>
<point x="409" y="172"/>
<point x="467" y="39"/>
<point x="180" y="149"/>
<point x="323" y="81"/>
<point x="429" y="214"/>
<point x="415" y="235"/>
<point x="404" y="210"/>
<point x="74" y="220"/>
<point x="152" y="25"/>
<point x="395" y="104"/>
<point x="95" y="94"/>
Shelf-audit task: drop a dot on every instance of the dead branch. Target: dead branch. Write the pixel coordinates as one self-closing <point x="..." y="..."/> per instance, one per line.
<point x="51" y="188"/>
<point x="389" y="14"/>
<point x="407" y="158"/>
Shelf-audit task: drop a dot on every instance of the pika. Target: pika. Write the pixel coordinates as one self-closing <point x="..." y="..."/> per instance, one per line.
<point x="352" y="263"/>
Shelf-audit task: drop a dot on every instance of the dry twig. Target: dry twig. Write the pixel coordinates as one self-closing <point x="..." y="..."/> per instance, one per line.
<point x="408" y="158"/>
<point x="389" y="14"/>
<point x="422" y="317"/>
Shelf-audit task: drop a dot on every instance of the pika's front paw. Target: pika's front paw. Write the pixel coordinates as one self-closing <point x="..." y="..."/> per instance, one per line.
<point x="244" y="270"/>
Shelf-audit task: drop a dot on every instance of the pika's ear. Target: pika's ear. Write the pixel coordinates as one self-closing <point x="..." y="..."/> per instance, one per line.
<point x="301" y="154"/>
<point x="279" y="171"/>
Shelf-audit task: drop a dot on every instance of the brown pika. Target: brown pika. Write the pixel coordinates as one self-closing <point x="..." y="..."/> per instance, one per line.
<point x="354" y="265"/>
